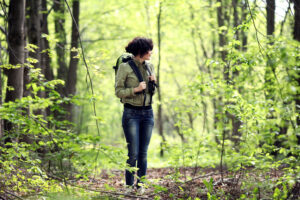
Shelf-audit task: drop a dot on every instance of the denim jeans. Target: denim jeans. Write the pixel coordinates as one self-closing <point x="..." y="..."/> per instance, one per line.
<point x="137" y="126"/>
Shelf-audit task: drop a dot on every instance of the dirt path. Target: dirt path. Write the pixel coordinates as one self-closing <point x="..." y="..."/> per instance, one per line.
<point x="169" y="183"/>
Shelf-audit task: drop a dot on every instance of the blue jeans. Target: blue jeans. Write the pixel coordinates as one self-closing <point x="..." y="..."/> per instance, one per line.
<point x="137" y="126"/>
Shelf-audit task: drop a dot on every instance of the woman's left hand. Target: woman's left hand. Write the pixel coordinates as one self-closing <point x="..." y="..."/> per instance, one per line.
<point x="152" y="78"/>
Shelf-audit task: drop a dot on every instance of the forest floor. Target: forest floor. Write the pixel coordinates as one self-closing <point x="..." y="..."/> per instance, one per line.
<point x="192" y="183"/>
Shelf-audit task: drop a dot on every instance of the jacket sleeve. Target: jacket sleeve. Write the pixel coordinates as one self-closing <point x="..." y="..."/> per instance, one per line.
<point x="120" y="88"/>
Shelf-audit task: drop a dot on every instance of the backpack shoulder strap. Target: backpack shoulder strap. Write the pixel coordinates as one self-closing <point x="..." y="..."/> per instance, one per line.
<point x="136" y="70"/>
<point x="148" y="69"/>
<point x="139" y="76"/>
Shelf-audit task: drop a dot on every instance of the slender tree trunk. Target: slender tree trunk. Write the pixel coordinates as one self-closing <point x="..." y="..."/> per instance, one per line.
<point x="236" y="123"/>
<point x="34" y="28"/>
<point x="270" y="78"/>
<point x="72" y="74"/>
<point x="296" y="34"/>
<point x="45" y="48"/>
<point x="16" y="20"/>
<point x="270" y="16"/>
<point x="222" y="36"/>
<point x="201" y="68"/>
<point x="159" y="113"/>
<point x="26" y="79"/>
<point x="243" y="33"/>
<point x="33" y="22"/>
<point x="214" y="99"/>
<point x="285" y="17"/>
<point x="1" y="125"/>
<point x="60" y="35"/>
<point x="222" y="16"/>
<point x="59" y="21"/>
<point x="270" y="68"/>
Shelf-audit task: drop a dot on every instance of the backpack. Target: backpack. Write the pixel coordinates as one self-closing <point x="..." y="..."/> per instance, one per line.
<point x="126" y="57"/>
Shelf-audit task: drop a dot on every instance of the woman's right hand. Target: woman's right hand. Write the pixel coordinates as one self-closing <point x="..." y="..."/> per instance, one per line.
<point x="140" y="88"/>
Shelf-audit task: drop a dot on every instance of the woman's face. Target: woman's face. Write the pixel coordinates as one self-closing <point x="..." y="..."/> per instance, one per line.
<point x="147" y="56"/>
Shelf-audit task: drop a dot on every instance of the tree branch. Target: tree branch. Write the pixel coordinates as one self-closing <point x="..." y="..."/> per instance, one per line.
<point x="7" y="192"/>
<point x="104" y="39"/>
<point x="284" y="19"/>
<point x="2" y="29"/>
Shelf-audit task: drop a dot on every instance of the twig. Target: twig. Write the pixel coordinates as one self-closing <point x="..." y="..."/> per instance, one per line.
<point x="256" y="30"/>
<point x="7" y="192"/>
<point x="285" y="16"/>
<point x="3" y="30"/>
<point x="198" y="177"/>
<point x="203" y="176"/>
<point x="109" y="192"/>
<point x="105" y="39"/>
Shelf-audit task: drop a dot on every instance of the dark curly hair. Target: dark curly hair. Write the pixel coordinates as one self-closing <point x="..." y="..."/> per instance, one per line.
<point x="139" y="46"/>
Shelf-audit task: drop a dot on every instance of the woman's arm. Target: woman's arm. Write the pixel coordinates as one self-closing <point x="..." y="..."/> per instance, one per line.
<point x="120" y="90"/>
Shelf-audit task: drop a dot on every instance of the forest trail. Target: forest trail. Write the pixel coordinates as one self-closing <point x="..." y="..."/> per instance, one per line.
<point x="182" y="183"/>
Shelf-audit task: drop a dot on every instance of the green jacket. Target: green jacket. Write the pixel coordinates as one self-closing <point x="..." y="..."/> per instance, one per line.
<point x="126" y="80"/>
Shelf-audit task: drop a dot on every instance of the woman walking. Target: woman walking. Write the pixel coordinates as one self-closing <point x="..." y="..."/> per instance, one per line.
<point x="136" y="95"/>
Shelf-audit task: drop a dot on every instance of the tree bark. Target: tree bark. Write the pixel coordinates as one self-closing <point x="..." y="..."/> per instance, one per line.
<point x="222" y="37"/>
<point x="201" y="68"/>
<point x="72" y="74"/>
<point x="270" y="68"/>
<point x="59" y="21"/>
<point x="34" y="29"/>
<point x="296" y="34"/>
<point x="16" y="20"/>
<point x="243" y="33"/>
<point x="222" y="16"/>
<point x="159" y="113"/>
<point x="270" y="16"/>
<point x="45" y="47"/>
<point x="236" y="123"/>
<point x="1" y="125"/>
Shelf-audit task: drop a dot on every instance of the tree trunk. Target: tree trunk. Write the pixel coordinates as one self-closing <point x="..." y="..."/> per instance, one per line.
<point x="72" y="74"/>
<point x="222" y="16"/>
<point x="45" y="48"/>
<point x="59" y="21"/>
<point x="270" y="68"/>
<point x="296" y="34"/>
<point x="159" y="113"/>
<point x="34" y="28"/>
<point x="236" y="123"/>
<point x="201" y="68"/>
<point x="222" y="37"/>
<point x="1" y="125"/>
<point x="16" y="20"/>
<point x="243" y="33"/>
<point x="270" y="16"/>
<point x="33" y="22"/>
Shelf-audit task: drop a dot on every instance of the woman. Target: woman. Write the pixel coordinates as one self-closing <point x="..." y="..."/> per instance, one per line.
<point x="137" y="120"/>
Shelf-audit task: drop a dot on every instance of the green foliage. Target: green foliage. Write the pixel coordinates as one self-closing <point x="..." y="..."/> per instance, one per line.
<point x="198" y="103"/>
